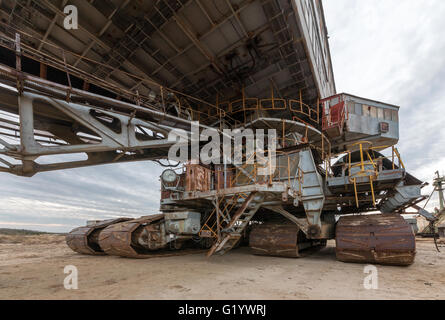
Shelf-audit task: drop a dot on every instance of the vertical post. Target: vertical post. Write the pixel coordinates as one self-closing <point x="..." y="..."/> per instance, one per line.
<point x="244" y="98"/>
<point x="43" y="70"/>
<point x="244" y="104"/>
<point x="218" y="225"/>
<point x="318" y="110"/>
<point x="18" y="53"/>
<point x="18" y="62"/>
<point x="288" y="170"/>
<point x="440" y="190"/>
<point x="162" y="98"/>
<point x="301" y="103"/>
<point x="322" y="147"/>
<point x="349" y="162"/>
<point x="225" y="172"/>
<point x="272" y="96"/>
<point x="355" y="192"/>
<point x="362" y="165"/>
<point x="328" y="167"/>
<point x="283" y="134"/>
<point x="138" y="101"/>
<point x="26" y="123"/>
<point x="218" y="112"/>
<point x="372" y="190"/>
<point x="392" y="157"/>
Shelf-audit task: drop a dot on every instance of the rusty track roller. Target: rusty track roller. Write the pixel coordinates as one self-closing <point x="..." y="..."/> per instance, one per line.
<point x="377" y="238"/>
<point x="282" y="240"/>
<point x="139" y="238"/>
<point x="85" y="239"/>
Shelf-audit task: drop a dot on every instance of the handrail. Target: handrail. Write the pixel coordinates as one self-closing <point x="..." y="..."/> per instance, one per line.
<point x="295" y="106"/>
<point x="365" y="149"/>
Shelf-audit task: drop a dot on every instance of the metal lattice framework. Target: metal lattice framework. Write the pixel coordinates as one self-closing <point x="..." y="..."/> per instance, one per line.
<point x="203" y="48"/>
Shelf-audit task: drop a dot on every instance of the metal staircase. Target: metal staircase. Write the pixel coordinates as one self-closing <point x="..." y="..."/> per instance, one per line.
<point x="231" y="233"/>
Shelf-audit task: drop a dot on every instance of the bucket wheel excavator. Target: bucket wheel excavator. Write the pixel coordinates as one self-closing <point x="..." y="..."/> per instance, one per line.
<point x="321" y="166"/>
<point x="301" y="203"/>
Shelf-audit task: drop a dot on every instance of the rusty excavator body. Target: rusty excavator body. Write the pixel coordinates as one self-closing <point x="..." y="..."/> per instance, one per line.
<point x="135" y="73"/>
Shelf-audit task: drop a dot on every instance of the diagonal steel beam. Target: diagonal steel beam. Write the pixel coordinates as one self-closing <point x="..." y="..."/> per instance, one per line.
<point x="96" y="40"/>
<point x="235" y="15"/>
<point x="50" y="27"/>
<point x="102" y="31"/>
<point x="191" y="35"/>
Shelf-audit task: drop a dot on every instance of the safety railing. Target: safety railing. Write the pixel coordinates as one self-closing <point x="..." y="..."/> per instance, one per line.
<point x="260" y="169"/>
<point x="367" y="158"/>
<point x="296" y="107"/>
<point x="368" y="165"/>
<point x="364" y="166"/>
<point x="395" y="153"/>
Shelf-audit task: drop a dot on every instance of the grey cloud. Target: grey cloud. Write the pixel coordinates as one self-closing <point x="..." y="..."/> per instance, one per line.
<point x="70" y="197"/>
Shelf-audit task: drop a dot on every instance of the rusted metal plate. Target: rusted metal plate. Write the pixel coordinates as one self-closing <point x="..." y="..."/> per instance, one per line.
<point x="220" y="182"/>
<point x="275" y="240"/>
<point x="377" y="238"/>
<point x="85" y="239"/>
<point x="198" y="178"/>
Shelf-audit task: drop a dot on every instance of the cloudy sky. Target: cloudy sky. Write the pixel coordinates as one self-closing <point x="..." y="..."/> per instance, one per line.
<point x="387" y="50"/>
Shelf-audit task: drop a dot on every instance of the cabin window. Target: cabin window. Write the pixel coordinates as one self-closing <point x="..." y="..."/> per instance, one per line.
<point x="366" y="110"/>
<point x="387" y="114"/>
<point x="380" y="113"/>
<point x="358" y="109"/>
<point x="395" y="115"/>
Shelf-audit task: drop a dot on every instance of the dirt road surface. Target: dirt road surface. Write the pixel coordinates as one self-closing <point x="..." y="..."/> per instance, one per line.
<point x="32" y="267"/>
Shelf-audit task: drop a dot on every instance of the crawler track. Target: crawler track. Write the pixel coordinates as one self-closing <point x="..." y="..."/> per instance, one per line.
<point x="377" y="238"/>
<point x="281" y="240"/>
<point x="85" y="240"/>
<point x="123" y="239"/>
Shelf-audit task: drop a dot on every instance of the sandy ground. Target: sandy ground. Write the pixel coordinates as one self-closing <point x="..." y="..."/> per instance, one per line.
<point x="31" y="267"/>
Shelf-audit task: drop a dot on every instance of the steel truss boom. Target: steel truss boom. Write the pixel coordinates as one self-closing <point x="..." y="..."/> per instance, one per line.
<point x="42" y="121"/>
